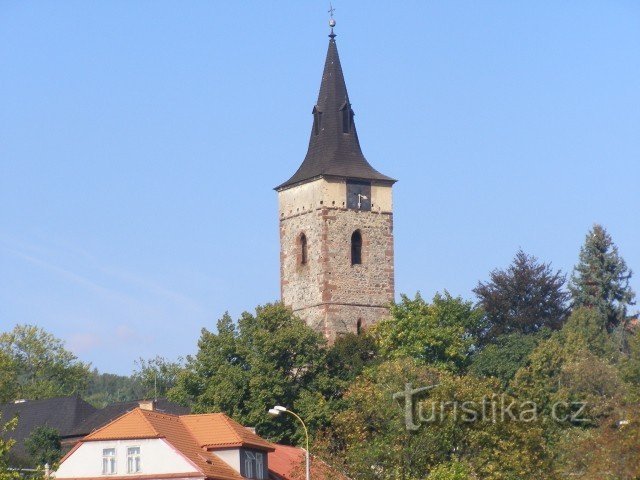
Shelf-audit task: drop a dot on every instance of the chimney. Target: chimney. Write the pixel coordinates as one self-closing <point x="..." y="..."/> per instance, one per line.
<point x="147" y="405"/>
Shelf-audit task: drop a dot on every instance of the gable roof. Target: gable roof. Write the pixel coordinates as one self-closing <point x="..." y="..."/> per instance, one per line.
<point x="101" y="417"/>
<point x="333" y="152"/>
<point x="138" y="424"/>
<point x="216" y="430"/>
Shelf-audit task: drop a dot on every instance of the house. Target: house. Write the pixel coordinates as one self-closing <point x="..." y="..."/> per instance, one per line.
<point x="148" y="445"/>
<point x="71" y="417"/>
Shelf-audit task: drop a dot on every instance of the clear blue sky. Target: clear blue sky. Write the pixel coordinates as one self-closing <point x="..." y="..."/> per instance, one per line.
<point x="140" y="141"/>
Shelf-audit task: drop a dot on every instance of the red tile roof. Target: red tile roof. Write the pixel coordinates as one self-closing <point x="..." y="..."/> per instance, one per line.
<point x="289" y="464"/>
<point x="140" y="423"/>
<point x="216" y="430"/>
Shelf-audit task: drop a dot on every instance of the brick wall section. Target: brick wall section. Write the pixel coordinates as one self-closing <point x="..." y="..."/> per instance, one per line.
<point x="330" y="294"/>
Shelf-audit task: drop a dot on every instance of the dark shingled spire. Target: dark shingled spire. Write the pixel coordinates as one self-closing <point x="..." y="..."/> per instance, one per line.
<point x="334" y="149"/>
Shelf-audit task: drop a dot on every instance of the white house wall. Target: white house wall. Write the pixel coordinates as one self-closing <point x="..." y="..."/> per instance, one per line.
<point x="231" y="457"/>
<point x="157" y="457"/>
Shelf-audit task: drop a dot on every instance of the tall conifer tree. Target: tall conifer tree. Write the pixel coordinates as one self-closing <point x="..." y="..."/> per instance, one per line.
<point x="601" y="278"/>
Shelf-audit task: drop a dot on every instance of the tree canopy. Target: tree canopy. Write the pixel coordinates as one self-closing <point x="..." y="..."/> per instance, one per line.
<point x="523" y="298"/>
<point x="43" y="445"/>
<point x="270" y="358"/>
<point x="601" y="278"/>
<point x="442" y="333"/>
<point x="34" y="364"/>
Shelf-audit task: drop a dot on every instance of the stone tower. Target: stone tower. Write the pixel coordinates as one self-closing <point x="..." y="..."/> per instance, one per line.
<point x="336" y="221"/>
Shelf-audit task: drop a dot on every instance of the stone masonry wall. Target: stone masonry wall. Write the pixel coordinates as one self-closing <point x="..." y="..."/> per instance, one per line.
<point x="329" y="293"/>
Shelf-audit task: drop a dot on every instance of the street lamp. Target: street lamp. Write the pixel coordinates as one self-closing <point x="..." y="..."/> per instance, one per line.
<point x="277" y="411"/>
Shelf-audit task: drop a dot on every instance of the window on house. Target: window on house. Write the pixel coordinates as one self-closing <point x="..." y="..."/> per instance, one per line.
<point x="249" y="464"/>
<point x="356" y="248"/>
<point x="303" y="249"/>
<point x="108" y="461"/>
<point x="260" y="465"/>
<point x="133" y="459"/>
<point x="254" y="465"/>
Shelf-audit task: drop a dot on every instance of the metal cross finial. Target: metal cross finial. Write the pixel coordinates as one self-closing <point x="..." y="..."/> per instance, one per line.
<point x="331" y="10"/>
<point x="332" y="22"/>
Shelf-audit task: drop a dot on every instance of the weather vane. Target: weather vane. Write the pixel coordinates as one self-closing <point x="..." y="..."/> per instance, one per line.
<point x="332" y="22"/>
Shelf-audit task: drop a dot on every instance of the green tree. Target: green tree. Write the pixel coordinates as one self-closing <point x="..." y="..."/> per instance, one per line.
<point x="106" y="388"/>
<point x="600" y="280"/>
<point x="369" y="438"/>
<point x="157" y="375"/>
<point x="271" y="357"/>
<point x="442" y="333"/>
<point x="43" y="446"/>
<point x="630" y="365"/>
<point x="574" y="366"/>
<point x="34" y="364"/>
<point x="6" y="444"/>
<point x="350" y="354"/>
<point x="506" y="355"/>
<point x="524" y="298"/>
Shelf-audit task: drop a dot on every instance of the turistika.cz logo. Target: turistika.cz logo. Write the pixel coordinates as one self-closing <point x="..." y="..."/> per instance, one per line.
<point x="489" y="408"/>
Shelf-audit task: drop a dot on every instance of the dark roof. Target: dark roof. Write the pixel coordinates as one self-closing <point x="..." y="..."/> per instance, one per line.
<point x="71" y="416"/>
<point x="60" y="413"/>
<point x="332" y="152"/>
<point x="103" y="416"/>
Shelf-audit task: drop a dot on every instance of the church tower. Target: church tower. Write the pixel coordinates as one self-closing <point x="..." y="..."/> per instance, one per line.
<point x="336" y="221"/>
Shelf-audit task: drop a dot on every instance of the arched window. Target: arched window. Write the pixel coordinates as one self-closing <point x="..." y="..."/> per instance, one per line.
<point x="356" y="248"/>
<point x="303" y="249"/>
<point x="359" y="327"/>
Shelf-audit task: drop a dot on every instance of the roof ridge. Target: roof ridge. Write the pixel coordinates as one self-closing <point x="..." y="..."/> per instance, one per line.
<point x="137" y="411"/>
<point x="141" y="412"/>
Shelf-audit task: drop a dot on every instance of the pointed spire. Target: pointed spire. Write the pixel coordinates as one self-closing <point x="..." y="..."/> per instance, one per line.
<point x="334" y="149"/>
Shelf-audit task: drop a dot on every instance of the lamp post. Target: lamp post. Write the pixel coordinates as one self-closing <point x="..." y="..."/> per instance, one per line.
<point x="277" y="411"/>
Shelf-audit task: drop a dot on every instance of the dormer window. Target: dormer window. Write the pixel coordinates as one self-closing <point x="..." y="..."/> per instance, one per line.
<point x="347" y="117"/>
<point x="317" y="119"/>
<point x="253" y="464"/>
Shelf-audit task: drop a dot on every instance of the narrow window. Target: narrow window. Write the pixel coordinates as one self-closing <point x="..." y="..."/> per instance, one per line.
<point x="347" y="117"/>
<point x="249" y="464"/>
<point x="133" y="459"/>
<point x="359" y="327"/>
<point x="317" y="117"/>
<point x="259" y="465"/>
<point x="356" y="248"/>
<point x="108" y="461"/>
<point x="303" y="249"/>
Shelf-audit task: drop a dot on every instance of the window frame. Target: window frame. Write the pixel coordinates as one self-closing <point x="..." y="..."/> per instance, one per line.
<point x="109" y="461"/>
<point x="136" y="457"/>
<point x="254" y="464"/>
